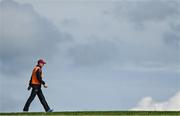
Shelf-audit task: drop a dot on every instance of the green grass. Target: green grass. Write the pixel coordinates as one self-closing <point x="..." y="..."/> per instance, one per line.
<point x="95" y="113"/>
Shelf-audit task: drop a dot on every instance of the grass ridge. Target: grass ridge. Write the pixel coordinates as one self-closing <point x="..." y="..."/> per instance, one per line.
<point x="164" y="113"/>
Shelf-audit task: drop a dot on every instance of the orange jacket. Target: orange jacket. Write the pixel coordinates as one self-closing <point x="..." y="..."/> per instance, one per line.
<point x="36" y="78"/>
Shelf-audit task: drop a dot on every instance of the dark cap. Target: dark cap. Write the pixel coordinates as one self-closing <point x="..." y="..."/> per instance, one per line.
<point x="41" y="61"/>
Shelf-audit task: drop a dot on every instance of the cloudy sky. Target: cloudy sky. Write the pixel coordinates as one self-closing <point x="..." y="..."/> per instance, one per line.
<point x="101" y="54"/>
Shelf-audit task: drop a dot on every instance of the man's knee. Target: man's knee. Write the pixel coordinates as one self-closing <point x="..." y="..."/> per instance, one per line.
<point x="41" y="97"/>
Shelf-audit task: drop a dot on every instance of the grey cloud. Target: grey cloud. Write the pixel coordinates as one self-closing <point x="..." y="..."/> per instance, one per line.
<point x="25" y="36"/>
<point x="70" y="22"/>
<point x="175" y="28"/>
<point x="140" y="12"/>
<point x="171" y="38"/>
<point x="93" y="53"/>
<point x="103" y="52"/>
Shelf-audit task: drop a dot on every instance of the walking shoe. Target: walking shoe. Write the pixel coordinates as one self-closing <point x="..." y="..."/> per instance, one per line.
<point x="50" y="110"/>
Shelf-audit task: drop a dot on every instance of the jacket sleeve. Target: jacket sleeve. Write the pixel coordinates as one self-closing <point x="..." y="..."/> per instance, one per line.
<point x="30" y="81"/>
<point x="38" y="74"/>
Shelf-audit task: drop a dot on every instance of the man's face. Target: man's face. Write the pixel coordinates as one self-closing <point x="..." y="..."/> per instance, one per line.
<point x="41" y="64"/>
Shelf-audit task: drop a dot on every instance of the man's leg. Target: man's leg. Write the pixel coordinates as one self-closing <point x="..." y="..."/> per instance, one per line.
<point x="43" y="100"/>
<point x="30" y="99"/>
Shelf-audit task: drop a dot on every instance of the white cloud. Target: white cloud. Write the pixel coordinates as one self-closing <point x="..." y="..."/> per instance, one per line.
<point x="148" y="103"/>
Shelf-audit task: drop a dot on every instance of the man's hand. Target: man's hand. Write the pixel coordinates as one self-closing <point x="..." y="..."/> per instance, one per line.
<point x="29" y="87"/>
<point x="45" y="86"/>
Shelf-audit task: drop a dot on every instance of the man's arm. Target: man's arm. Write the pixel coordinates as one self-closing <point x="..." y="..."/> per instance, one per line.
<point x="38" y="74"/>
<point x="30" y="81"/>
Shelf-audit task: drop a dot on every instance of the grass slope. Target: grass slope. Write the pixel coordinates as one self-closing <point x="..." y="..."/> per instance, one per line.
<point x="81" y="113"/>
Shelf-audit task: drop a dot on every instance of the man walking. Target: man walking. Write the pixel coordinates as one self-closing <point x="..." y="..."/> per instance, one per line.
<point x="35" y="83"/>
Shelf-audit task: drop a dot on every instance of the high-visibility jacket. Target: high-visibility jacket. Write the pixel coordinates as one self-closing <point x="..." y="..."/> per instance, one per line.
<point x="34" y="78"/>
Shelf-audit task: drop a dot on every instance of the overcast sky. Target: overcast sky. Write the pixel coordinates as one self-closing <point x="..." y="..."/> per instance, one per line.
<point x="101" y="54"/>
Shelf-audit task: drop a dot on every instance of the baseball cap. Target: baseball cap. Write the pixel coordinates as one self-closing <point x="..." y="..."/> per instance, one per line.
<point x="41" y="61"/>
